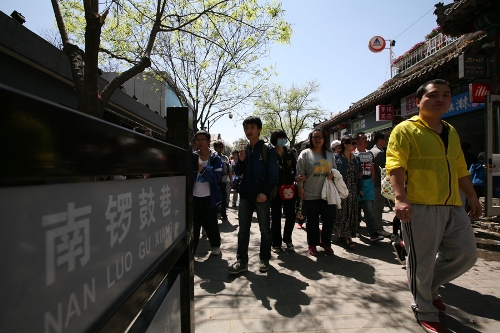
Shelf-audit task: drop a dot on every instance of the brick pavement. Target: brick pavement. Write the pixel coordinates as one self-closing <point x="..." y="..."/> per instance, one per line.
<point x="353" y="291"/>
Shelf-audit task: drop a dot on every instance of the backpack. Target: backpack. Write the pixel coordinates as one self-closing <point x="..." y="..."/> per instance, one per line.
<point x="274" y="191"/>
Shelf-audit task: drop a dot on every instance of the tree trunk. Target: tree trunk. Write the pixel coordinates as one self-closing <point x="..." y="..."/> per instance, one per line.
<point x="93" y="103"/>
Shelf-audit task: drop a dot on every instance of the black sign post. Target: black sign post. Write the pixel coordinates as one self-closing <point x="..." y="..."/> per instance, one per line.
<point x="83" y="252"/>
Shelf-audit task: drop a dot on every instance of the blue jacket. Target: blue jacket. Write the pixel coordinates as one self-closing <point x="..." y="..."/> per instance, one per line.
<point x="478" y="174"/>
<point x="257" y="176"/>
<point x="212" y="173"/>
<point x="341" y="162"/>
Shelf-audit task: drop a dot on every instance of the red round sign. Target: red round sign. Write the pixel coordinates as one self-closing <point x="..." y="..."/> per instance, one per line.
<point x="376" y="44"/>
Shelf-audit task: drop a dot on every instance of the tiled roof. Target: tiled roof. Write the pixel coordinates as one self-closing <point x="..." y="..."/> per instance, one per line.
<point x="412" y="74"/>
<point x="458" y="17"/>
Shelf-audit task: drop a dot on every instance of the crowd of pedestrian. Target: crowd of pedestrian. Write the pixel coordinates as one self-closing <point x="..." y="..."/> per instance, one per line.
<point x="431" y="232"/>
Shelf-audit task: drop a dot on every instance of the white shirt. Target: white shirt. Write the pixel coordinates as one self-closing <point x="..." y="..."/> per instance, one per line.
<point x="201" y="187"/>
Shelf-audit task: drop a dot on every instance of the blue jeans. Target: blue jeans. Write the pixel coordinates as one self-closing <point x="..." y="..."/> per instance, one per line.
<point x="314" y="209"/>
<point x="245" y="213"/>
<point x="367" y="207"/>
<point x="277" y="206"/>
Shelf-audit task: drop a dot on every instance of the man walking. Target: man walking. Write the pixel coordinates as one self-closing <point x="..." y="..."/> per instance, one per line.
<point x="425" y="151"/>
<point x="258" y="162"/>
<point x="378" y="153"/>
<point x="223" y="183"/>
<point x="366" y="200"/>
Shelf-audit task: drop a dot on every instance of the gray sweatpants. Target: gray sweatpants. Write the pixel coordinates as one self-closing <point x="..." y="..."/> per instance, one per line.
<point x="441" y="246"/>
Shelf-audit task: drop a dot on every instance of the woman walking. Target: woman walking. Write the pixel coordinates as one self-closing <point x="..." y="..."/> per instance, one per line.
<point x="349" y="167"/>
<point x="313" y="166"/>
<point x="287" y="172"/>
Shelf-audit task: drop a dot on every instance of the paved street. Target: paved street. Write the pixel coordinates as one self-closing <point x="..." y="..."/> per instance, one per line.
<point x="363" y="290"/>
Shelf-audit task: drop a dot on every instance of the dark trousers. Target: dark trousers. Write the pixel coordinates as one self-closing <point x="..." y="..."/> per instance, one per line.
<point x="288" y="206"/>
<point x="206" y="217"/>
<point x="315" y="209"/>
<point x="223" y="204"/>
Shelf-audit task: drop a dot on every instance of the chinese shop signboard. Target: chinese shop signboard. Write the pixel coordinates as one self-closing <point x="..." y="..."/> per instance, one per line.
<point x="409" y="105"/>
<point x="384" y="112"/>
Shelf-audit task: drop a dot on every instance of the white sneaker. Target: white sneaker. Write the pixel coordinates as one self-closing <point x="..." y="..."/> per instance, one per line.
<point x="215" y="251"/>
<point x="384" y="233"/>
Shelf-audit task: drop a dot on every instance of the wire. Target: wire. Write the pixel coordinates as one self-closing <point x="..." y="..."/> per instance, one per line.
<point x="413" y="23"/>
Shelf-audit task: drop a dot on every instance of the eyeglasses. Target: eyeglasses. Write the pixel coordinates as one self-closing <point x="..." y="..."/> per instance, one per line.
<point x="201" y="140"/>
<point x="320" y="137"/>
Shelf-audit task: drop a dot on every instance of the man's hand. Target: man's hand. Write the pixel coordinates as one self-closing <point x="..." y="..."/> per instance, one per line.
<point x="403" y="210"/>
<point x="476" y="211"/>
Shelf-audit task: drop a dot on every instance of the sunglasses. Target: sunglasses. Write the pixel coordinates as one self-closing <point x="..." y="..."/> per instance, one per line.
<point x="352" y="142"/>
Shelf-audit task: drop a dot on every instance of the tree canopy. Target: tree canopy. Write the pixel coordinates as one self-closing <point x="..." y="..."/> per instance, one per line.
<point x="201" y="48"/>
<point x="290" y="109"/>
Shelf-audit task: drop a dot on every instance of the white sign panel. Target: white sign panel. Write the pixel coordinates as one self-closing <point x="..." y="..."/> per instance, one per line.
<point x="69" y="251"/>
<point x="409" y="105"/>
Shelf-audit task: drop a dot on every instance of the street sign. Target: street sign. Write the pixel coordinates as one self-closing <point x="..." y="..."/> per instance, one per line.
<point x="376" y="44"/>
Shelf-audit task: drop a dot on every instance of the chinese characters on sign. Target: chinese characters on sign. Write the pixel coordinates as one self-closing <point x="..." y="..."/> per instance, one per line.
<point x="66" y="240"/>
<point x="384" y="112"/>
<point x="409" y="105"/>
<point x="462" y="104"/>
<point x="91" y="243"/>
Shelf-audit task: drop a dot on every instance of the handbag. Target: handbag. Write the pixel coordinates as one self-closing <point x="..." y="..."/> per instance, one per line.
<point x="386" y="186"/>
<point x="287" y="192"/>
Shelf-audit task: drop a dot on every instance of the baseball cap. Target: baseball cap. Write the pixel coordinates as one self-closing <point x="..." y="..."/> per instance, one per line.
<point x="335" y="143"/>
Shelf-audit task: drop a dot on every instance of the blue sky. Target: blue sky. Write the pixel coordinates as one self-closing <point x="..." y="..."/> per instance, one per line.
<point x="330" y="45"/>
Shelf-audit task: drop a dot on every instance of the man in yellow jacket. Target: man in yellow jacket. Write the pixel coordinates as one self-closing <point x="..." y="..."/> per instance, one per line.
<point x="424" y="153"/>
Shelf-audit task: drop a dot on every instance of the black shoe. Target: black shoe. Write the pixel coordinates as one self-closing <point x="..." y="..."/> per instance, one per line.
<point x="375" y="237"/>
<point x="400" y="250"/>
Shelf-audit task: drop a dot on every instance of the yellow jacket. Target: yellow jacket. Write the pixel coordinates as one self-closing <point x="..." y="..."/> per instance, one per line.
<point x="432" y="172"/>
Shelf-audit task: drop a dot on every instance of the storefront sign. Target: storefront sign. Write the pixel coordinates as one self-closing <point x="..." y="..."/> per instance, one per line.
<point x="471" y="66"/>
<point x="409" y="105"/>
<point x="478" y="92"/>
<point x="73" y="250"/>
<point x="368" y="124"/>
<point x="384" y="112"/>
<point x="462" y="104"/>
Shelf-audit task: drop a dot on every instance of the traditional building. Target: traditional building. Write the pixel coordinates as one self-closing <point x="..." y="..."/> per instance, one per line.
<point x="467" y="30"/>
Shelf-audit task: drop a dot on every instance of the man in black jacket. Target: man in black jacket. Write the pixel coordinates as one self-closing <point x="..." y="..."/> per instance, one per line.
<point x="259" y="164"/>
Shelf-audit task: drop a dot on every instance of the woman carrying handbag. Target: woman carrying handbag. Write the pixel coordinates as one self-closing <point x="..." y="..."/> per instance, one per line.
<point x="285" y="200"/>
